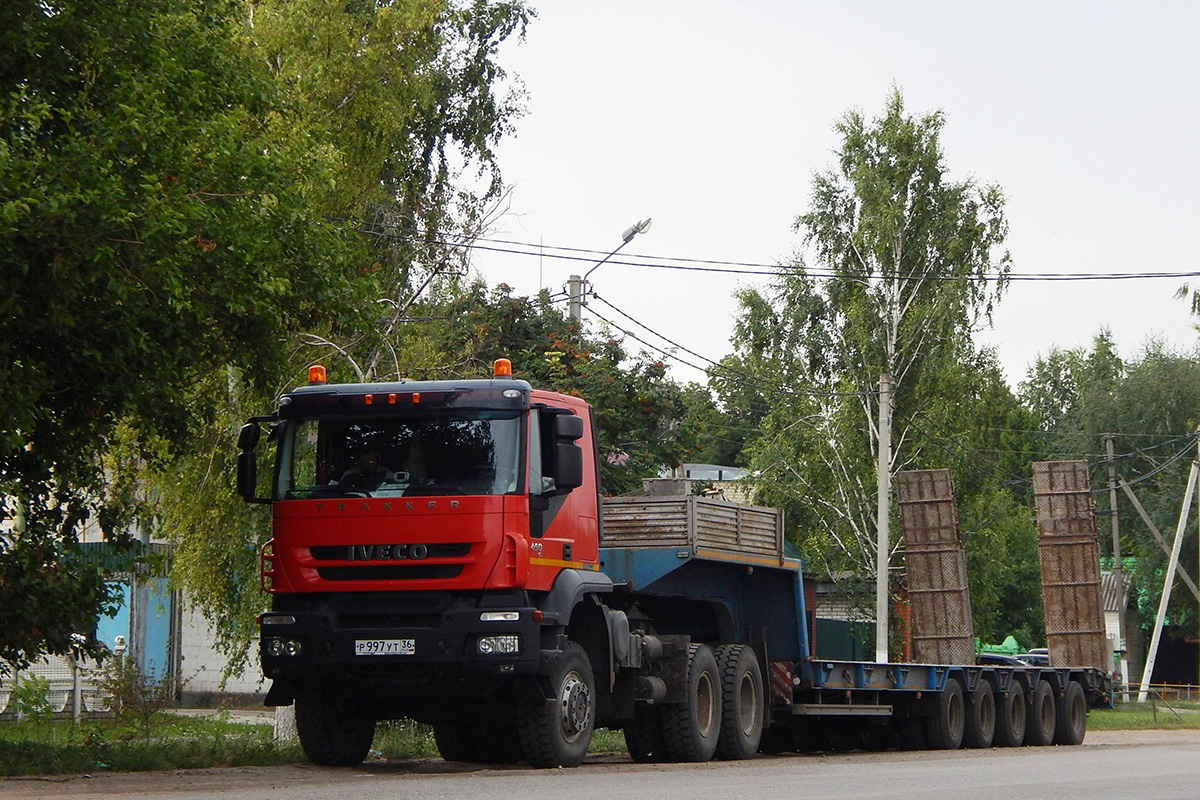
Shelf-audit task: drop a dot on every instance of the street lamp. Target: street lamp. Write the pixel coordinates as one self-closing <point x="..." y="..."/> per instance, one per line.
<point x="577" y="286"/>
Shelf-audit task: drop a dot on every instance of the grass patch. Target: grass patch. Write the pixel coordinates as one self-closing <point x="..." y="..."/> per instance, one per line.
<point x="163" y="741"/>
<point x="160" y="741"/>
<point x="1145" y="716"/>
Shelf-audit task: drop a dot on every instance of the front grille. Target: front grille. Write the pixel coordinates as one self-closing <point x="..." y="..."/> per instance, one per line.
<point x="387" y="621"/>
<point x="391" y="572"/>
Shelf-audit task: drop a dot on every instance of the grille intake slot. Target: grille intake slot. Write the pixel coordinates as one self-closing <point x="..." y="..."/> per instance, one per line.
<point x="391" y="572"/>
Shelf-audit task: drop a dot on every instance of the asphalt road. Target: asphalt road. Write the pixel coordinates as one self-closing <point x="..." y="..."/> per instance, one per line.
<point x="1125" y="764"/>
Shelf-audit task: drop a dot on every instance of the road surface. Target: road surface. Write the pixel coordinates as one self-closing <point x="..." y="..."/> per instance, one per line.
<point x="1123" y="764"/>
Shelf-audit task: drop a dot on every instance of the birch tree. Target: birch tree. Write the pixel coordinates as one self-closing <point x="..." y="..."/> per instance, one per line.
<point x="905" y="264"/>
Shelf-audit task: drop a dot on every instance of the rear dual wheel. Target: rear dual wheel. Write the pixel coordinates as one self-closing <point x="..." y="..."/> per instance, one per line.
<point x="742" y="703"/>
<point x="690" y="729"/>
<point x="1010" y="717"/>
<point x="981" y="717"/>
<point x="946" y="727"/>
<point x="1042" y="720"/>
<point x="1071" y="716"/>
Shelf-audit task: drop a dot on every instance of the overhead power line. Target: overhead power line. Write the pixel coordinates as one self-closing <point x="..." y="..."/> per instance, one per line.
<point x="582" y="255"/>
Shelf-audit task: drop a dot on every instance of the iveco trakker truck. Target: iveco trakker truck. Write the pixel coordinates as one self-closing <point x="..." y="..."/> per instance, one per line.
<point x="441" y="551"/>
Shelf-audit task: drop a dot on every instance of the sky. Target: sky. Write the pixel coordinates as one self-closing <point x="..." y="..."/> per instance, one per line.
<point x="711" y="118"/>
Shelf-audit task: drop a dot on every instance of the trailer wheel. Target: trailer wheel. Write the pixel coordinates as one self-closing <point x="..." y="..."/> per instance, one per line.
<point x="1072" y="716"/>
<point x="333" y="731"/>
<point x="691" y="728"/>
<point x="741" y="702"/>
<point x="945" y="728"/>
<point x="1041" y="722"/>
<point x="981" y="719"/>
<point x="643" y="735"/>
<point x="1010" y="717"/>
<point x="556" y="732"/>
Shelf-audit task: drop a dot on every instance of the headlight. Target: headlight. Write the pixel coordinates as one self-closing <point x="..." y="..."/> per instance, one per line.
<point x="283" y="647"/>
<point x="499" y="645"/>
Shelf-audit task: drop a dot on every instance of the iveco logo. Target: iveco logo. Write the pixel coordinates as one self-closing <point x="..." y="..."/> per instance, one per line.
<point x="387" y="552"/>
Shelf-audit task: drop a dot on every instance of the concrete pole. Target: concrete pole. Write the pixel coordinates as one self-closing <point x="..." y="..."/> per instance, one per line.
<point x="575" y="297"/>
<point x="1163" y="601"/>
<point x="882" y="544"/>
<point x="1118" y="573"/>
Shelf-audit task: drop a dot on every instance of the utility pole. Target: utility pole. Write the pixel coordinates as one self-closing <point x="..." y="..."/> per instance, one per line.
<point x="1118" y="572"/>
<point x="1173" y="564"/>
<point x="575" y="297"/>
<point x="882" y="544"/>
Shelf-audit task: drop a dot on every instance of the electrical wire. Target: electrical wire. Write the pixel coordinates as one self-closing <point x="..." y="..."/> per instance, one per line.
<point x="738" y="376"/>
<point x="758" y="268"/>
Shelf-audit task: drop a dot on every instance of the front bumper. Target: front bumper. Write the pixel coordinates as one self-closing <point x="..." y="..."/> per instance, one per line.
<point x="371" y="642"/>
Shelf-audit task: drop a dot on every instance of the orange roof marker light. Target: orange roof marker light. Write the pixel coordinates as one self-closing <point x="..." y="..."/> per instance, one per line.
<point x="316" y="374"/>
<point x="502" y="368"/>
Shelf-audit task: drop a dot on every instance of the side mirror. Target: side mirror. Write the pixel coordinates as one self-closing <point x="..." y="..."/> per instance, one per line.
<point x="568" y="465"/>
<point x="247" y="465"/>
<point x="568" y="455"/>
<point x="568" y="426"/>
<point x="248" y="436"/>
<point x="247" y="476"/>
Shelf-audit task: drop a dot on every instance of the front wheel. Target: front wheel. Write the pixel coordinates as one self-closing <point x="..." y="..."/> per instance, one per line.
<point x="558" y="731"/>
<point x="333" y="731"/>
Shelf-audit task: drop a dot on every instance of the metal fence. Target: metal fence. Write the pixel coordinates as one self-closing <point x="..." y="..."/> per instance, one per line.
<point x="75" y="686"/>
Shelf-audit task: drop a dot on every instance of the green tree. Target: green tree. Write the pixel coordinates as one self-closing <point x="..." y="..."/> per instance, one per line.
<point x="908" y="264"/>
<point x="407" y="100"/>
<point x="159" y="220"/>
<point x="1149" y="404"/>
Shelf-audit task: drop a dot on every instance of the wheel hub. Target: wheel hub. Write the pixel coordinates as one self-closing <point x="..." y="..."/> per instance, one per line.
<point x="575" y="706"/>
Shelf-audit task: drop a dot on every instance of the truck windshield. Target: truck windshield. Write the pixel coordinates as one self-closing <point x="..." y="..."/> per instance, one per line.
<point x="469" y="452"/>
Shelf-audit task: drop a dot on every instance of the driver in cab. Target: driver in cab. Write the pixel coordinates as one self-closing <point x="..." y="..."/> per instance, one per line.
<point x="367" y="474"/>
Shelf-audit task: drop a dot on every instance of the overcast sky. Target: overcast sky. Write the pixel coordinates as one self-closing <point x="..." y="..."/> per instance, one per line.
<point x="712" y="117"/>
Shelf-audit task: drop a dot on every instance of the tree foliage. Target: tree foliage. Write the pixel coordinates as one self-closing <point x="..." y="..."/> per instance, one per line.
<point x="1149" y="404"/>
<point x="907" y="263"/>
<point x="181" y="188"/>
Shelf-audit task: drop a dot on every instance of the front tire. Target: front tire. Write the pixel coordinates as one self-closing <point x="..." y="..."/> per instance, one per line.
<point x="691" y="728"/>
<point x="558" y="731"/>
<point x="334" y="732"/>
<point x="741" y="702"/>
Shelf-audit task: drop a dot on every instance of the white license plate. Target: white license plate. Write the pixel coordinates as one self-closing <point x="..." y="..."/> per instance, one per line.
<point x="385" y="647"/>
